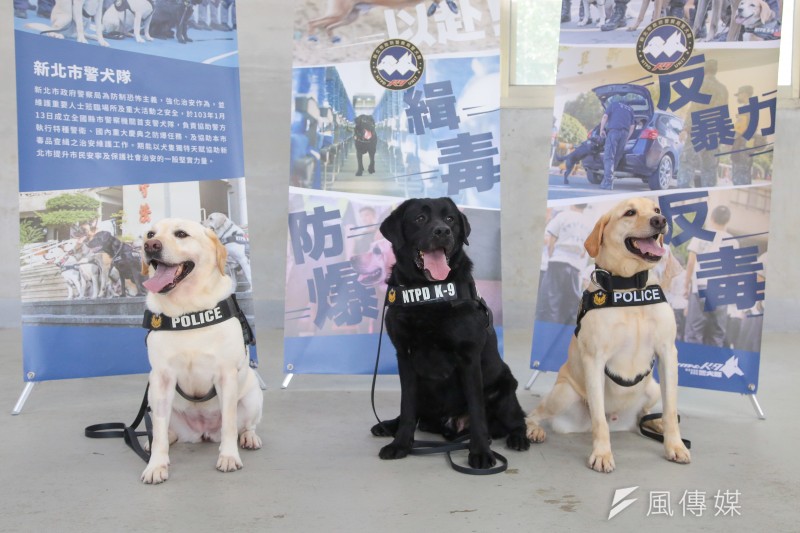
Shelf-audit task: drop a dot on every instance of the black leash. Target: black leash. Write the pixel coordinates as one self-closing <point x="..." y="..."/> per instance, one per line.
<point x="658" y="436"/>
<point x="429" y="447"/>
<point x="113" y="430"/>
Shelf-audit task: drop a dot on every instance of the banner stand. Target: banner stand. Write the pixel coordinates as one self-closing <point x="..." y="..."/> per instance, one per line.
<point x="23" y="398"/>
<point x="753" y="399"/>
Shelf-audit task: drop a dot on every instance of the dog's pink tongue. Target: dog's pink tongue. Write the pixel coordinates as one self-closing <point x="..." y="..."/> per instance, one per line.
<point x="435" y="263"/>
<point x="650" y="246"/>
<point x="164" y="276"/>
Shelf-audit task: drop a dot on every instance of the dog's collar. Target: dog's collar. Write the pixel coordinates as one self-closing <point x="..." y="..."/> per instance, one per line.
<point x="227" y="308"/>
<point x="431" y="293"/>
<point x="600" y="299"/>
<point x="609" y="282"/>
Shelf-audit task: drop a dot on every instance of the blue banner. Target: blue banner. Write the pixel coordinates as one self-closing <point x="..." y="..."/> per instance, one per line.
<point x="388" y="104"/>
<point x="119" y="127"/>
<point x="680" y="108"/>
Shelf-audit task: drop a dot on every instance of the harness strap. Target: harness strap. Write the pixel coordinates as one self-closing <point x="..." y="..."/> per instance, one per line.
<point x="658" y="436"/>
<point x="622" y="382"/>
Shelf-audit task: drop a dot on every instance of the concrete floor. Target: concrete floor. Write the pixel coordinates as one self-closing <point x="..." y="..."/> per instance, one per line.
<point x="319" y="470"/>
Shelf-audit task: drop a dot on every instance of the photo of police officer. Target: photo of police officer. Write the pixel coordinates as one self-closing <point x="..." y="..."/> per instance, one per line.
<point x="616" y="127"/>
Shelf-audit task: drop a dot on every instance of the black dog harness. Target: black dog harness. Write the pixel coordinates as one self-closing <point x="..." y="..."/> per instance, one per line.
<point x="232" y="234"/>
<point x="227" y="308"/>
<point x="455" y="292"/>
<point x="619" y="291"/>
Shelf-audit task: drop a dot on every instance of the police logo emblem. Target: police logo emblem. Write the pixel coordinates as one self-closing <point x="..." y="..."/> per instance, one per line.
<point x="155" y="321"/>
<point x="392" y="296"/>
<point x="599" y="298"/>
<point x="396" y="64"/>
<point x="665" y="45"/>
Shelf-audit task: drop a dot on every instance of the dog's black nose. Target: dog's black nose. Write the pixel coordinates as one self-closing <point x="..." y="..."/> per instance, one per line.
<point x="152" y="246"/>
<point x="441" y="231"/>
<point x="658" y="222"/>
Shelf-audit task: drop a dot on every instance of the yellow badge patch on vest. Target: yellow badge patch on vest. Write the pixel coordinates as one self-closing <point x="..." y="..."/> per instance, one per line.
<point x="392" y="296"/>
<point x="599" y="298"/>
<point x="155" y="322"/>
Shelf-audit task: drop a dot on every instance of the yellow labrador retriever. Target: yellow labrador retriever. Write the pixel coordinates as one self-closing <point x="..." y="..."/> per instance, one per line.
<point x="195" y="349"/>
<point x="612" y="353"/>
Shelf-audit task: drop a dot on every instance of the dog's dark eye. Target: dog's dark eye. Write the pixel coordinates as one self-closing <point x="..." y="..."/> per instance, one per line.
<point x="420" y="219"/>
<point x="449" y="219"/>
<point x="630" y="213"/>
<point x="151" y="234"/>
<point x="658" y="211"/>
<point x="181" y="234"/>
<point x="377" y="250"/>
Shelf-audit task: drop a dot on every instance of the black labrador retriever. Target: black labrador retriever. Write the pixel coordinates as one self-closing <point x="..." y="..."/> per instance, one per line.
<point x="171" y="19"/>
<point x="123" y="257"/>
<point x="366" y="140"/>
<point x="452" y="378"/>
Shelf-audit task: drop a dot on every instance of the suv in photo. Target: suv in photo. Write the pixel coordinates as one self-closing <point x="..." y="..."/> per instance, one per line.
<point x="652" y="152"/>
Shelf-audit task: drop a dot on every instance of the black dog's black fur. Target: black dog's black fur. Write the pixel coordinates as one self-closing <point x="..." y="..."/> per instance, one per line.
<point x="365" y="123"/>
<point x="447" y="354"/>
<point x="123" y="258"/>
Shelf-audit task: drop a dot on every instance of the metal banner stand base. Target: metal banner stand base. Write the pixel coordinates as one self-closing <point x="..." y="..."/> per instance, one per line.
<point x="530" y="381"/>
<point x="286" y="381"/>
<point x="757" y="407"/>
<point x="261" y="382"/>
<point x="23" y="398"/>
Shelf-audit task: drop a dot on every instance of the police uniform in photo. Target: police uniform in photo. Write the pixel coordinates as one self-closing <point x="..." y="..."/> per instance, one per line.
<point x="617" y="129"/>
<point x="741" y="162"/>
<point x="706" y="327"/>
<point x="560" y="288"/>
<point x="704" y="160"/>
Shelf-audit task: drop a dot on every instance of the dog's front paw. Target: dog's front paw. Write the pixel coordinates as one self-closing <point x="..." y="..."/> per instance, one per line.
<point x="382" y="430"/>
<point x="393" y="451"/>
<point x="229" y="463"/>
<point x="677" y="453"/>
<point x="155" y="474"/>
<point x="535" y="432"/>
<point x="518" y="441"/>
<point x="602" y="461"/>
<point x="249" y="440"/>
<point x="483" y="459"/>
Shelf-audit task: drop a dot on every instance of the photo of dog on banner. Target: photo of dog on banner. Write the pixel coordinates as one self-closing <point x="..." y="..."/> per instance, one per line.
<point x="620" y="21"/>
<point x="152" y="24"/>
<point x="77" y="260"/>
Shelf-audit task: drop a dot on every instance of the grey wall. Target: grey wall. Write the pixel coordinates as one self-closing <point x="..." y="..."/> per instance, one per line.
<point x="265" y="38"/>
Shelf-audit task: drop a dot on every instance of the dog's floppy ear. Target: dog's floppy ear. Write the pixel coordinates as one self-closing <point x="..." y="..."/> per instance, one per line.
<point x="766" y="12"/>
<point x="392" y="227"/>
<point x="595" y="239"/>
<point x="219" y="248"/>
<point x="465" y="227"/>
